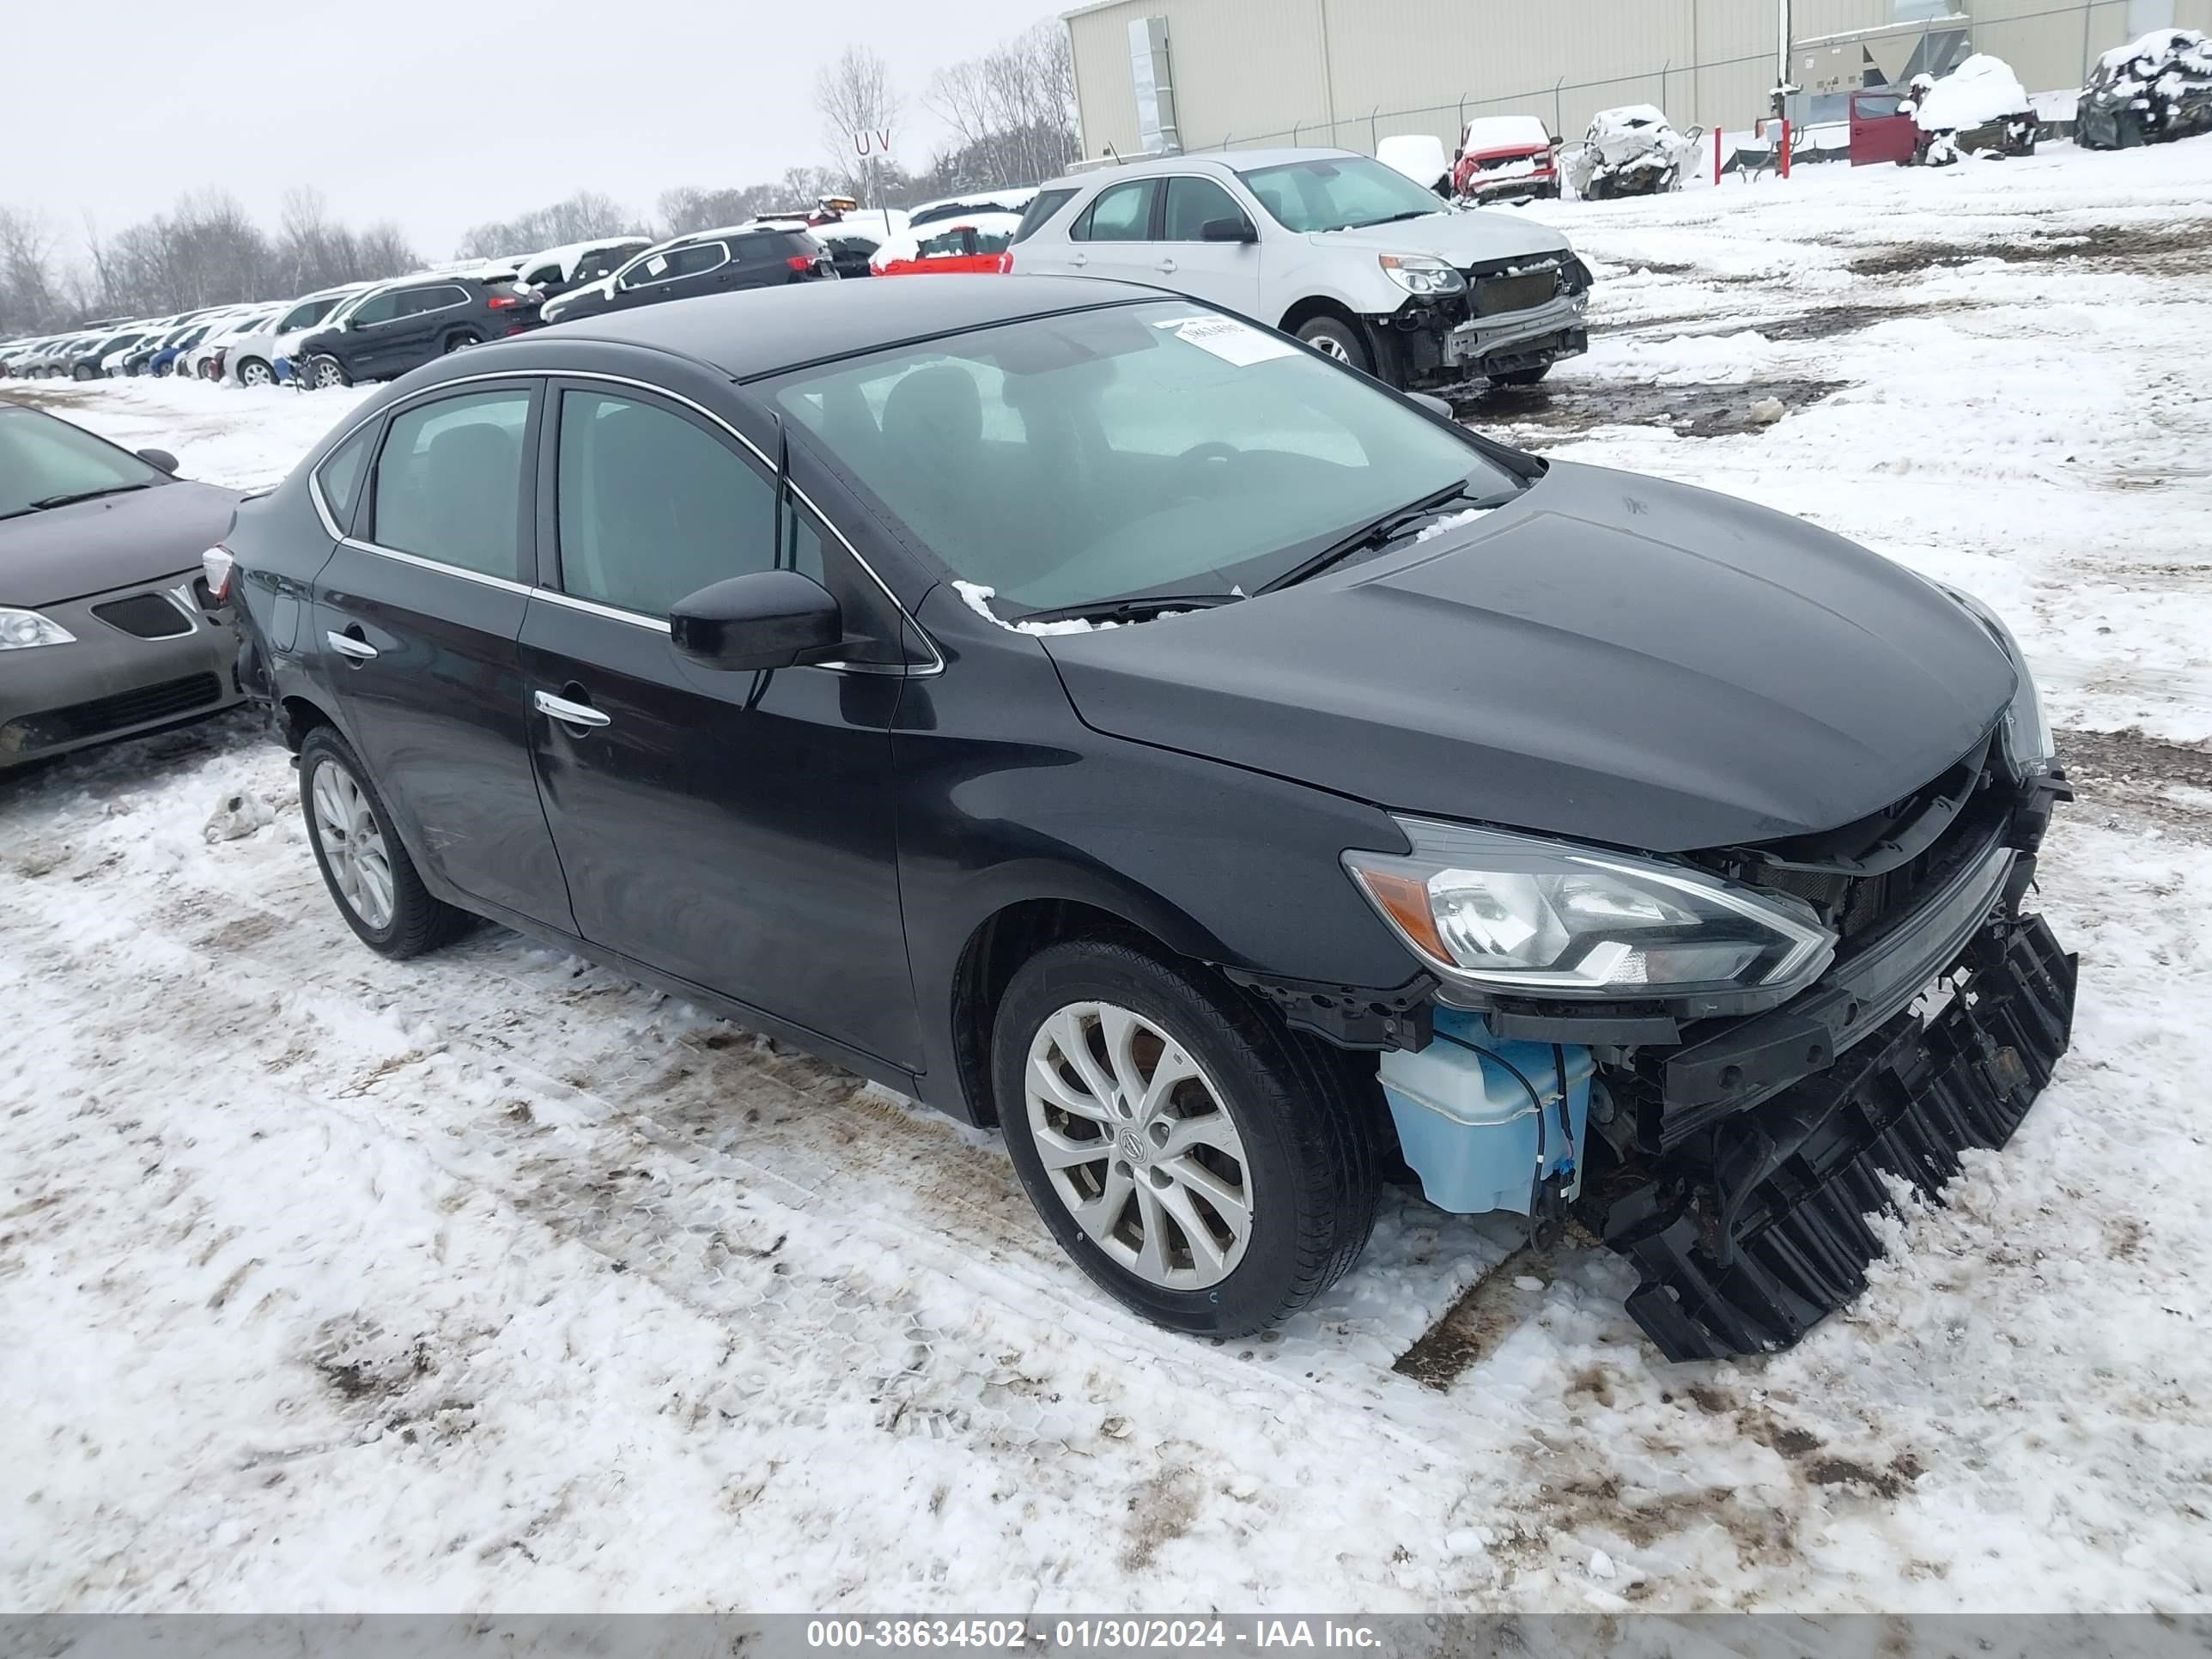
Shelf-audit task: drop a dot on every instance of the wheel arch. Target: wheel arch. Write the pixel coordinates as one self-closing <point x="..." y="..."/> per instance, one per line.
<point x="1015" y="929"/>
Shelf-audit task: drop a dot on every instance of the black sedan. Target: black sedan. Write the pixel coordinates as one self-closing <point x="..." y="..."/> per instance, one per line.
<point x="108" y="627"/>
<point x="1102" y="716"/>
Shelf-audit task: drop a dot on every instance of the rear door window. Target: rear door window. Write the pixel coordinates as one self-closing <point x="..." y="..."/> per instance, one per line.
<point x="671" y="263"/>
<point x="652" y="507"/>
<point x="1121" y="214"/>
<point x="448" y="482"/>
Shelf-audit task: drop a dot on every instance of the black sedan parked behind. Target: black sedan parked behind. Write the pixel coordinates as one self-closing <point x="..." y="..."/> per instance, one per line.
<point x="1100" y="716"/>
<point x="405" y="324"/>
<point x="108" y="627"/>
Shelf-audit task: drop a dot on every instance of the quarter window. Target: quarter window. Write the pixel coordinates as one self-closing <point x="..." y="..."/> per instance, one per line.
<point x="1041" y="207"/>
<point x="1192" y="203"/>
<point x="449" y="482"/>
<point x="652" y="507"/>
<point x="341" y="473"/>
<point x="1122" y="214"/>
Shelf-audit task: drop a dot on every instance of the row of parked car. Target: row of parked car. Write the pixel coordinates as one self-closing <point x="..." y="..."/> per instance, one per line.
<point x="373" y="331"/>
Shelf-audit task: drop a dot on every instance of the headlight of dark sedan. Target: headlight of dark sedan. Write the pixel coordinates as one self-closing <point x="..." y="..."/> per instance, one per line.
<point x="21" y="629"/>
<point x="1506" y="912"/>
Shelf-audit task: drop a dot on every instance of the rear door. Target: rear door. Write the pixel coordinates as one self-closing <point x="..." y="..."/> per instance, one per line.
<point x="415" y="620"/>
<point x="1113" y="236"/>
<point x="735" y="830"/>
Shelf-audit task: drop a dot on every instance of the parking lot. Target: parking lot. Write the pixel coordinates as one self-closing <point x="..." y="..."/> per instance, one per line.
<point x="496" y="1280"/>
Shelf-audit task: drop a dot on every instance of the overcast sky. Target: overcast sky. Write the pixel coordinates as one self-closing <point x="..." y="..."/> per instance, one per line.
<point x="440" y="113"/>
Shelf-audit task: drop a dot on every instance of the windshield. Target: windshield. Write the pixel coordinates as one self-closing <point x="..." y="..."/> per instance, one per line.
<point x="41" y="457"/>
<point x="1154" y="448"/>
<point x="1339" y="193"/>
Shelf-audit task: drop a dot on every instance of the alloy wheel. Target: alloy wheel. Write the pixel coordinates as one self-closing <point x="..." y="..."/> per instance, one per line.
<point x="1330" y="346"/>
<point x="328" y="375"/>
<point x="255" y="373"/>
<point x="353" y="846"/>
<point x="1136" y="1143"/>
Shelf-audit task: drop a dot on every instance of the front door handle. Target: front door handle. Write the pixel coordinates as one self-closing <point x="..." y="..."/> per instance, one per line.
<point x="570" y="713"/>
<point x="350" y="645"/>
<point x="1166" y="267"/>
<point x="1079" y="258"/>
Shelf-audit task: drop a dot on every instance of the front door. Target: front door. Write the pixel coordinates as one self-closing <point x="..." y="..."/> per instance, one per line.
<point x="1879" y="133"/>
<point x="1223" y="273"/>
<point x="416" y="617"/>
<point x="735" y="830"/>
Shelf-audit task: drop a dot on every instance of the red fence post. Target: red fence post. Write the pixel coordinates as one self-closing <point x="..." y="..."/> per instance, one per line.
<point x="1785" y="146"/>
<point x="1717" y="155"/>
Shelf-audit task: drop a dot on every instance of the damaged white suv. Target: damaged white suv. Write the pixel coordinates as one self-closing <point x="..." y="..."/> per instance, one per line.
<point x="1349" y="255"/>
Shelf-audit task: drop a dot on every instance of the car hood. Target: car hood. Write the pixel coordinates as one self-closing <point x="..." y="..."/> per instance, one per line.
<point x="1611" y="658"/>
<point x="1465" y="237"/>
<point x="94" y="547"/>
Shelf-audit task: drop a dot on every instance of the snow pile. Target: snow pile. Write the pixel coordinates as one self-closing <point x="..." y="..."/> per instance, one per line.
<point x="1419" y="156"/>
<point x="1981" y="90"/>
<point x="2161" y="52"/>
<point x="1486" y="133"/>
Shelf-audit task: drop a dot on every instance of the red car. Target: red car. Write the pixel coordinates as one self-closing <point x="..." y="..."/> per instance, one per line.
<point x="1505" y="155"/>
<point x="976" y="244"/>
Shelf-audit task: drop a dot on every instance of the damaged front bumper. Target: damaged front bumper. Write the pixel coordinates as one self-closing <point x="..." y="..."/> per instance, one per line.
<point x="1745" y="1245"/>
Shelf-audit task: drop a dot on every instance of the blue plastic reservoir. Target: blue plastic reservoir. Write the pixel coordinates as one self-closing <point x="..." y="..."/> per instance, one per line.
<point x="1467" y="1124"/>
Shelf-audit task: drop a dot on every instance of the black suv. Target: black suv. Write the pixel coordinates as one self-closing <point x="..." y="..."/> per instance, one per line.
<point x="711" y="262"/>
<point x="407" y="324"/>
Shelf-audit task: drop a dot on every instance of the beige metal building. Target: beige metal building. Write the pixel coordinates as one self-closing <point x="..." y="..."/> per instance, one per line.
<point x="1214" y="74"/>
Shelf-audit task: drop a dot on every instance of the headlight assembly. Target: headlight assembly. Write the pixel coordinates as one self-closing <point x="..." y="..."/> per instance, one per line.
<point x="21" y="629"/>
<point x="1421" y="273"/>
<point x="1506" y="912"/>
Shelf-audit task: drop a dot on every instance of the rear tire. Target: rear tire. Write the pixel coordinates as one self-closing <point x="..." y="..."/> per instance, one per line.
<point x="1272" y="1194"/>
<point x="1344" y="341"/>
<point x="364" y="864"/>
<point x="461" y="342"/>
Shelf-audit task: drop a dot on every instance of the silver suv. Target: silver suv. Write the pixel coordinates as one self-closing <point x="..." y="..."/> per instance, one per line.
<point x="1349" y="255"/>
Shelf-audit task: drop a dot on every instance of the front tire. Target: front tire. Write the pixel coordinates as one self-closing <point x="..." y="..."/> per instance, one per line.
<point x="255" y="373"/>
<point x="327" y="374"/>
<point x="365" y="865"/>
<point x="1204" y="1166"/>
<point x="1334" y="337"/>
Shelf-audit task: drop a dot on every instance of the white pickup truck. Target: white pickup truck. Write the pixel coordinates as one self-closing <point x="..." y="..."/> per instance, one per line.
<point x="1349" y="255"/>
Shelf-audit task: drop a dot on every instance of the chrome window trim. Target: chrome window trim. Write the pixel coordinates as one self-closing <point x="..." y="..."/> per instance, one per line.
<point x="632" y="288"/>
<point x="915" y="670"/>
<point x="422" y="563"/>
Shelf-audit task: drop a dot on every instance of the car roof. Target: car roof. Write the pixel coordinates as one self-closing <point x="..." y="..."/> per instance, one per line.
<point x="1242" y="161"/>
<point x="766" y="330"/>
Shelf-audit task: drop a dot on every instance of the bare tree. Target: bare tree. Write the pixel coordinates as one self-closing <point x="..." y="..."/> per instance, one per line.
<point x="1011" y="112"/>
<point x="30" y="292"/>
<point x="583" y="218"/>
<point x="857" y="102"/>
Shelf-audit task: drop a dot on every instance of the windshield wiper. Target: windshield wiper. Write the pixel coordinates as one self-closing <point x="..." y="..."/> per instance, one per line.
<point x="1150" y="605"/>
<point x="1397" y="218"/>
<point x="45" y="501"/>
<point x="1379" y="533"/>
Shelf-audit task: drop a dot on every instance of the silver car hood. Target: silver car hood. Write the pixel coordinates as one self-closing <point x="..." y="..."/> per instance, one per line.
<point x="1466" y="237"/>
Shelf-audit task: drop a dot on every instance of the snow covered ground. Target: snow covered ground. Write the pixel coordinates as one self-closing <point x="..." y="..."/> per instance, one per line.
<point x="495" y="1281"/>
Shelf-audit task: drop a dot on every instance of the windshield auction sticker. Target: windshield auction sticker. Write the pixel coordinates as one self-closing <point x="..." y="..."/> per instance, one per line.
<point x="1228" y="339"/>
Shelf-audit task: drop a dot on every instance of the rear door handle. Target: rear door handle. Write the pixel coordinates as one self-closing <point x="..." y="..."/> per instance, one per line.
<point x="1166" y="267"/>
<point x="350" y="645"/>
<point x="1079" y="258"/>
<point x="570" y="713"/>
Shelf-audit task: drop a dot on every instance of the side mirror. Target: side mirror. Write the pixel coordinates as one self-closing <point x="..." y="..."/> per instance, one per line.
<point x="1435" y="405"/>
<point x="1239" y="229"/>
<point x="768" y="619"/>
<point x="159" y="458"/>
